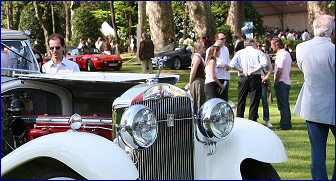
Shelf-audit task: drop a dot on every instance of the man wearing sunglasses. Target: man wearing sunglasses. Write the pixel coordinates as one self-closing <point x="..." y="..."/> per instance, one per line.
<point x="223" y="61"/>
<point x="58" y="63"/>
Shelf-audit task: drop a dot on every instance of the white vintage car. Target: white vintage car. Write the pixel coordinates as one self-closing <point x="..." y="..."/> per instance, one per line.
<point x="114" y="126"/>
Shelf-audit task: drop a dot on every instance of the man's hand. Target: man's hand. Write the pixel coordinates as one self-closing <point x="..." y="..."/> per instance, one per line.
<point x="245" y="73"/>
<point x="264" y="80"/>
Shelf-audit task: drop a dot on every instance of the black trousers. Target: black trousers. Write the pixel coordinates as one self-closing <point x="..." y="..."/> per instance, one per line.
<point x="212" y="90"/>
<point x="252" y="85"/>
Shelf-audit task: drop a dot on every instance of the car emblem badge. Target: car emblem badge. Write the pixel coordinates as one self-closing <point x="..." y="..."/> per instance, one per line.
<point x="170" y="120"/>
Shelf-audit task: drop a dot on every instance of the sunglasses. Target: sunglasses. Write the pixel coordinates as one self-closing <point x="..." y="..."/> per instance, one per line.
<point x="222" y="39"/>
<point x="57" y="48"/>
<point x="258" y="45"/>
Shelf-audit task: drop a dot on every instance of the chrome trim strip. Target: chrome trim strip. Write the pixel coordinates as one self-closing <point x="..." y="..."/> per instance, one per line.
<point x="84" y="127"/>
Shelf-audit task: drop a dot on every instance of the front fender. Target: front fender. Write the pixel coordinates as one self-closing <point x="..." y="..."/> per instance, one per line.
<point x="248" y="139"/>
<point x="90" y="155"/>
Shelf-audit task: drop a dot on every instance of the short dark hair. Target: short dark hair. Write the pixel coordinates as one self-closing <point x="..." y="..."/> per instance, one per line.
<point x="278" y="42"/>
<point x="57" y="36"/>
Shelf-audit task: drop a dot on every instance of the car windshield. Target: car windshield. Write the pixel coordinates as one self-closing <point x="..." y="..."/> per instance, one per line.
<point x="17" y="56"/>
<point x="89" y="50"/>
<point x="172" y="47"/>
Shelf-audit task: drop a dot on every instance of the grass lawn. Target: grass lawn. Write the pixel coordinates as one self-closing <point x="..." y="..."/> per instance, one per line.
<point x="296" y="141"/>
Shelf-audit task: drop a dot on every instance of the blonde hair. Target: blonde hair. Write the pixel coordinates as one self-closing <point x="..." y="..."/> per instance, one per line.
<point x="212" y="54"/>
<point x="197" y="47"/>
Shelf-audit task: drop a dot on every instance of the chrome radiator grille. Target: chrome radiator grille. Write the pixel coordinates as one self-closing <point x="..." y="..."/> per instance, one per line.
<point x="171" y="156"/>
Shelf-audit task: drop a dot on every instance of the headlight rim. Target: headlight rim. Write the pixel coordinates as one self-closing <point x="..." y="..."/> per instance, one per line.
<point x="127" y="125"/>
<point x="206" y="125"/>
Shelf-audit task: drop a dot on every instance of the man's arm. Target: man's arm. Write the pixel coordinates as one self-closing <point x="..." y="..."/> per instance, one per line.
<point x="278" y="75"/>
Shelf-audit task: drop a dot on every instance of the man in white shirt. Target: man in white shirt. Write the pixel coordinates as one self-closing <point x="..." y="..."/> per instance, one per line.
<point x="305" y="35"/>
<point x="282" y="83"/>
<point x="58" y="63"/>
<point x="249" y="62"/>
<point x="222" y="64"/>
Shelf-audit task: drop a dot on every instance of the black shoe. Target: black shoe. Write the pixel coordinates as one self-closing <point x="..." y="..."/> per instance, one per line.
<point x="281" y="129"/>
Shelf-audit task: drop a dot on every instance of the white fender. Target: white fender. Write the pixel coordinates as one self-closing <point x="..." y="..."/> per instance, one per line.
<point x="90" y="155"/>
<point x="248" y="139"/>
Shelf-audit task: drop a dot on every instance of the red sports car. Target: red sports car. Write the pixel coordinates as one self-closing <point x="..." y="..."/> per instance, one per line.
<point x="92" y="59"/>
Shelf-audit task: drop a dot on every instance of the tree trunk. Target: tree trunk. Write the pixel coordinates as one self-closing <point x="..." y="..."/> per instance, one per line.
<point x="114" y="28"/>
<point x="236" y="17"/>
<point x="141" y="26"/>
<point x="9" y="10"/>
<point x="315" y="9"/>
<point x="185" y="21"/>
<point x="201" y="17"/>
<point x="53" y="16"/>
<point x="67" y="21"/>
<point x="43" y="23"/>
<point x="162" y="26"/>
<point x="73" y="6"/>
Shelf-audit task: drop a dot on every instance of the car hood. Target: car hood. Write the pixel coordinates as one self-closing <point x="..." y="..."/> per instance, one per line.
<point x="104" y="56"/>
<point x="97" y="77"/>
<point x="165" y="53"/>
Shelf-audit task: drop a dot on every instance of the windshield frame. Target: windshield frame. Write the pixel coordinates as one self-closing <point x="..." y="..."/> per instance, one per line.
<point x="32" y="62"/>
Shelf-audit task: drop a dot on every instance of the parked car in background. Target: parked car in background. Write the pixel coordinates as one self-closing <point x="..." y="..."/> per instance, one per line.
<point x="91" y="59"/>
<point x="178" y="56"/>
<point x="122" y="126"/>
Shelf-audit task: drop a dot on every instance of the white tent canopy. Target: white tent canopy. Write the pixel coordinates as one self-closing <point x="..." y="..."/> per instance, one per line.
<point x="107" y="30"/>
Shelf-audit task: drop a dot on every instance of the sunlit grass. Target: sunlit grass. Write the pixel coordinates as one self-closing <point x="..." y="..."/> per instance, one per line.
<point x="296" y="141"/>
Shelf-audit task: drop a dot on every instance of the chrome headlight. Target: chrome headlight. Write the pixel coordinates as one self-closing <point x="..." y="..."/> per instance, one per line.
<point x="75" y="121"/>
<point x="138" y="127"/>
<point x="215" y="119"/>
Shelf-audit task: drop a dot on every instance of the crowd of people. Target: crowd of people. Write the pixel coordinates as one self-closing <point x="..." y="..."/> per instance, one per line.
<point x="108" y="47"/>
<point x="316" y="59"/>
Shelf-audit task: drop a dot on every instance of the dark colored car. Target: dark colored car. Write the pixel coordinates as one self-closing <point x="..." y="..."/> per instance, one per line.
<point x="92" y="59"/>
<point x="178" y="56"/>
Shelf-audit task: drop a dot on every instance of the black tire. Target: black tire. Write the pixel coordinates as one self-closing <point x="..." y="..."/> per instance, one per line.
<point x="57" y="173"/>
<point x="177" y="63"/>
<point x="254" y="170"/>
<point x="90" y="66"/>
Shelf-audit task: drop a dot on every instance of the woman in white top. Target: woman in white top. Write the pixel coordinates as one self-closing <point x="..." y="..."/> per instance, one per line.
<point x="212" y="84"/>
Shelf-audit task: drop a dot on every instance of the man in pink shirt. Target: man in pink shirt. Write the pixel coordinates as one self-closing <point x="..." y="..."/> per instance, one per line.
<point x="282" y="82"/>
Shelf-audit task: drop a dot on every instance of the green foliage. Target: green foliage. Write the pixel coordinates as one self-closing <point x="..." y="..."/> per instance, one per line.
<point x="85" y="25"/>
<point x="28" y="21"/>
<point x="251" y="14"/>
<point x="17" y="9"/>
<point x="220" y="10"/>
<point x="178" y="15"/>
<point x="292" y="43"/>
<point x="331" y="4"/>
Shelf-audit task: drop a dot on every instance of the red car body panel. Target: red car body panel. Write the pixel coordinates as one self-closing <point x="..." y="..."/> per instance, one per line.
<point x="100" y="61"/>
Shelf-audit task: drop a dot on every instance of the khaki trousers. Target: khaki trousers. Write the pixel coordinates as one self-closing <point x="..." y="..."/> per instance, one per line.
<point x="147" y="64"/>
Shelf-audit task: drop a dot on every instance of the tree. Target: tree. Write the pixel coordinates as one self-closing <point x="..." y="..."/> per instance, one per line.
<point x="9" y="10"/>
<point x="142" y="25"/>
<point x="236" y="16"/>
<point x="43" y="22"/>
<point x="113" y="22"/>
<point x="67" y="21"/>
<point x="315" y="9"/>
<point x="85" y="25"/>
<point x="28" y="21"/>
<point x="114" y="28"/>
<point x="161" y="22"/>
<point x="202" y="19"/>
